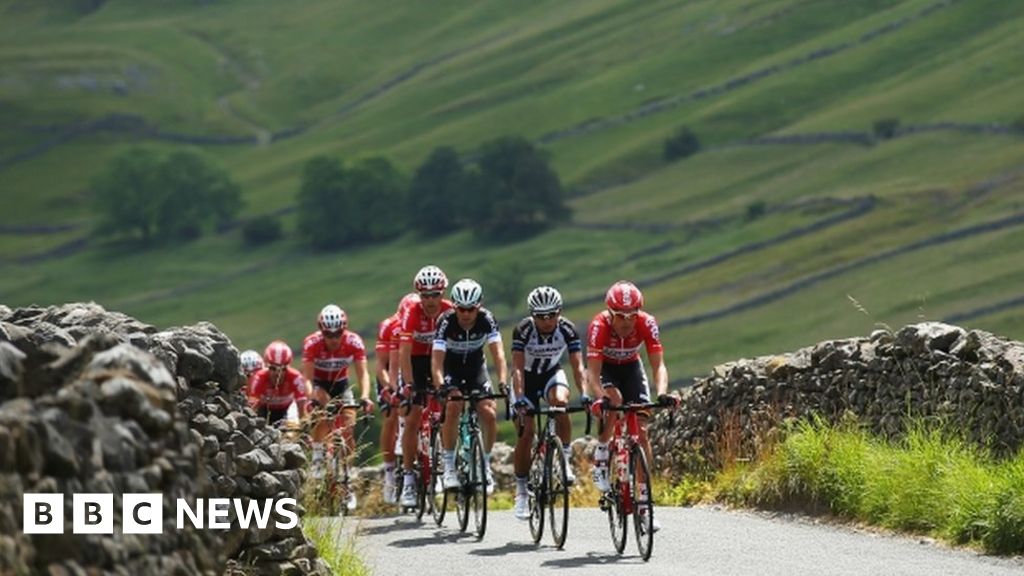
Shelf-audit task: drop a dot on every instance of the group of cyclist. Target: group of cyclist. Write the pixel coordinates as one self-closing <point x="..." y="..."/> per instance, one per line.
<point x="433" y="344"/>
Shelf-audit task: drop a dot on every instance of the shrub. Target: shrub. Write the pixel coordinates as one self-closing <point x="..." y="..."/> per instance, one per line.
<point x="261" y="230"/>
<point x="683" y="144"/>
<point x="886" y="128"/>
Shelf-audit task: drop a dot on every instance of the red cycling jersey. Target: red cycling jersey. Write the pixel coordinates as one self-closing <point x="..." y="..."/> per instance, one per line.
<point x="604" y="344"/>
<point x="387" y="335"/>
<point x="332" y="365"/>
<point x="419" y="328"/>
<point x="277" y="393"/>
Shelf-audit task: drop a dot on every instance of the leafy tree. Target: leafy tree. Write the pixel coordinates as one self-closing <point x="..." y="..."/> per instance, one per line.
<point x="683" y="144"/>
<point x="321" y="202"/>
<point x="125" y="195"/>
<point x="516" y="193"/>
<point x="169" y="199"/>
<point x="435" y="193"/>
<point x="503" y="284"/>
<point x="379" y="190"/>
<point x="886" y="128"/>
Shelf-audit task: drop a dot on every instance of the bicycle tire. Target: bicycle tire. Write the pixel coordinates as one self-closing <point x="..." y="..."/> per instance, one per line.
<point x="537" y="491"/>
<point x="461" y="493"/>
<point x="557" y="493"/>
<point x="642" y="522"/>
<point x="438" y="495"/>
<point x="618" y="501"/>
<point x="478" y="485"/>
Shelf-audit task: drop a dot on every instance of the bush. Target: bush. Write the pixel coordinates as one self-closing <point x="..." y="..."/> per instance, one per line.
<point x="261" y="230"/>
<point x="682" y="144"/>
<point x="756" y="210"/>
<point x="886" y="128"/>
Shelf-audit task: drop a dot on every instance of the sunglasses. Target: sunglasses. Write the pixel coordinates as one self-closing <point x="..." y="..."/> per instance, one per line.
<point x="430" y="294"/>
<point x="625" y="315"/>
<point x="277" y="367"/>
<point x="331" y="334"/>
<point x="462" y="309"/>
<point x="545" y="316"/>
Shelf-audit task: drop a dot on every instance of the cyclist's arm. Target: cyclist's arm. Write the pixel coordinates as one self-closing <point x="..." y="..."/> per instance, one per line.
<point x="594" y="377"/>
<point x="579" y="374"/>
<point x="518" y="367"/>
<point x="383" y="363"/>
<point x="660" y="372"/>
<point x="498" y="356"/>
<point x="363" y="373"/>
<point x="307" y="375"/>
<point x="437" y="367"/>
<point x="394" y="360"/>
<point x="405" y="354"/>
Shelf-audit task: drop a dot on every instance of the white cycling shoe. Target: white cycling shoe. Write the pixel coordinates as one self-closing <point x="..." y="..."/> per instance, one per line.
<point x="522" y="509"/>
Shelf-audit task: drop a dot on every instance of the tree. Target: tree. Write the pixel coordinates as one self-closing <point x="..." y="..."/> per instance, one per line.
<point x="262" y="229"/>
<point x="683" y="144"/>
<point x="124" y="195"/>
<point x="503" y="284"/>
<point x="321" y="202"/>
<point x="169" y="199"/>
<point x="380" y="192"/>
<point x="516" y="193"/>
<point x="435" y="193"/>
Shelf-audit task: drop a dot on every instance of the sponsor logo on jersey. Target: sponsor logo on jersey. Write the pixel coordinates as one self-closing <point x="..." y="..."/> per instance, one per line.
<point x="332" y="364"/>
<point x="620" y="353"/>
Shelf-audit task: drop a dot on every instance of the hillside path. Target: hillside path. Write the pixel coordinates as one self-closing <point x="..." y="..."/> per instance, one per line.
<point x="693" y="541"/>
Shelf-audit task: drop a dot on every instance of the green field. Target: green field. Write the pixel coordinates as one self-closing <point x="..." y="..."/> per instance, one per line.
<point x="599" y="84"/>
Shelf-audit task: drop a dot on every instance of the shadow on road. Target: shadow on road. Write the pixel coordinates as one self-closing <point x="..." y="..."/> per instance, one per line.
<point x="509" y="548"/>
<point x="438" y="537"/>
<point x="591" y="559"/>
<point x="394" y="526"/>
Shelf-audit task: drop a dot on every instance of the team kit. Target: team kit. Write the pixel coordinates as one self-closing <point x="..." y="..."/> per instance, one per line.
<point x="431" y="359"/>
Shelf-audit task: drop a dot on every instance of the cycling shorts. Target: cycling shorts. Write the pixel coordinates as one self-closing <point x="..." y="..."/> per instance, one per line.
<point x="630" y="379"/>
<point x="537" y="385"/>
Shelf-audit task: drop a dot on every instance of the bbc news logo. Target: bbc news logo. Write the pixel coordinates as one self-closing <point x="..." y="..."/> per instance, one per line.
<point x="144" y="513"/>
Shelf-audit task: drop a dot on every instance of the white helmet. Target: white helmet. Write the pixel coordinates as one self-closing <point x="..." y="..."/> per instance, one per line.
<point x="332" y="319"/>
<point x="430" y="279"/>
<point x="251" y="361"/>
<point x="467" y="293"/>
<point x="544" y="299"/>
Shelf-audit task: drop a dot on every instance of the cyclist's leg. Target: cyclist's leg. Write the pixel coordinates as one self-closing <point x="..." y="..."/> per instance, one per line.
<point x="533" y="388"/>
<point x="388" y="429"/>
<point x="322" y="396"/>
<point x="556" y="390"/>
<point x="610" y="381"/>
<point x="635" y="388"/>
<point x="410" y="435"/>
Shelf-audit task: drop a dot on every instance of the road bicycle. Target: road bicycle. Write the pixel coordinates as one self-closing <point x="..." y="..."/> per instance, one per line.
<point x="427" y="465"/>
<point x="547" y="483"/>
<point x="334" y="491"/>
<point x="630" y="481"/>
<point x="470" y="465"/>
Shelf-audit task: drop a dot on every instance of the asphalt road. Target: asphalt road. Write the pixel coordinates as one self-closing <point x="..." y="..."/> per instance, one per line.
<point x="697" y="541"/>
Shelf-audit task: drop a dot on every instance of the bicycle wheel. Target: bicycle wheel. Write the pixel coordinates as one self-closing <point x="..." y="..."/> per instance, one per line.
<point x="643" y="508"/>
<point x="618" y="501"/>
<point x="478" y="485"/>
<point x="558" y="491"/>
<point x="438" y="495"/>
<point x="423" y="501"/>
<point x="537" y="490"/>
<point x="462" y="466"/>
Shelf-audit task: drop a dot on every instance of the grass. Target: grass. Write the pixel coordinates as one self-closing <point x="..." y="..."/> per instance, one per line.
<point x="336" y="548"/>
<point x="930" y="482"/>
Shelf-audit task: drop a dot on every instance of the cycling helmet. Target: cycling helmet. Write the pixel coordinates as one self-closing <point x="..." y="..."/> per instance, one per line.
<point x="430" y="279"/>
<point x="623" y="296"/>
<point x="332" y="319"/>
<point x="407" y="301"/>
<point x="467" y="293"/>
<point x="251" y="361"/>
<point x="277" y="353"/>
<point x="543" y="300"/>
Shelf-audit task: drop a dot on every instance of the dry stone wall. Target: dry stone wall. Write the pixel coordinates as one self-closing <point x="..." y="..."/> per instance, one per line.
<point x="970" y="380"/>
<point x="96" y="401"/>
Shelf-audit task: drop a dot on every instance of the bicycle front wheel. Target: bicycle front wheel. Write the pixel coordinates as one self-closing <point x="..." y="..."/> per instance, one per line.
<point x="643" y="509"/>
<point x="537" y="491"/>
<point x="618" y="502"/>
<point x="558" y="491"/>
<point x="478" y="486"/>
<point x="438" y="495"/>
<point x="462" y="493"/>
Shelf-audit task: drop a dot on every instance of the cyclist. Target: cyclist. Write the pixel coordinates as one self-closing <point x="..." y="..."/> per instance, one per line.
<point x="538" y="344"/>
<point x="616" y="374"/>
<point x="458" y="362"/>
<point x="386" y="350"/>
<point x="326" y="357"/>
<point x="251" y="362"/>
<point x="417" y="334"/>
<point x="277" y="386"/>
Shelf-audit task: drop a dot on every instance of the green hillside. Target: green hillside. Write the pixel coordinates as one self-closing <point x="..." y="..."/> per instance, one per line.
<point x="758" y="244"/>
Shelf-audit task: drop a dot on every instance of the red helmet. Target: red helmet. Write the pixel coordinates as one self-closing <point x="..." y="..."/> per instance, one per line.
<point x="277" y="353"/>
<point x="623" y="296"/>
<point x="407" y="301"/>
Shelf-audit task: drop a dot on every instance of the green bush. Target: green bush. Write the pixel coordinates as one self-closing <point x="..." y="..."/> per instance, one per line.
<point x="886" y="128"/>
<point x="261" y="230"/>
<point x="683" y="144"/>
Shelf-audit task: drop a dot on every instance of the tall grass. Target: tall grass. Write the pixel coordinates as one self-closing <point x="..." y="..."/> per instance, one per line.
<point x="336" y="548"/>
<point x="931" y="482"/>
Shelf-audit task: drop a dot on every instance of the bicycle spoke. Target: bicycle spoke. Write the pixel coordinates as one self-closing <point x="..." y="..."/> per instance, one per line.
<point x="558" y="491"/>
<point x="537" y="493"/>
<point x="643" y="509"/>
